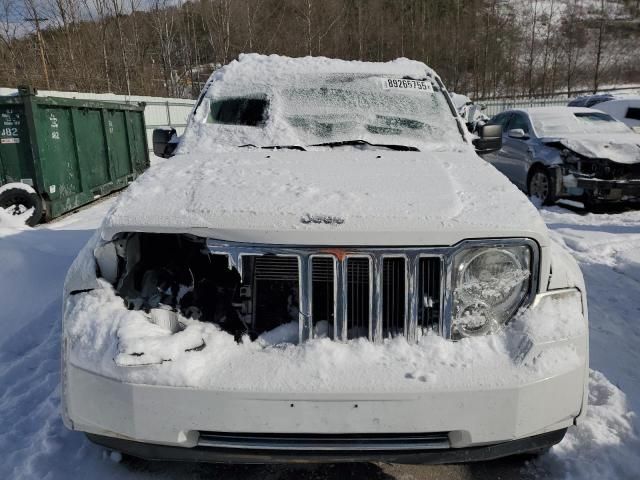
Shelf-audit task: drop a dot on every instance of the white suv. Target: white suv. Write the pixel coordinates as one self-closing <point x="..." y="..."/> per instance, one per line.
<point x="324" y="271"/>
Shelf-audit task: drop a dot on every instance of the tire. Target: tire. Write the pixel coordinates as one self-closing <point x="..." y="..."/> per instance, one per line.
<point x="18" y="200"/>
<point x="541" y="185"/>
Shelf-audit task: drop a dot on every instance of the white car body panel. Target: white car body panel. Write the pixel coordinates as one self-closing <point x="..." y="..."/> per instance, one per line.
<point x="618" y="108"/>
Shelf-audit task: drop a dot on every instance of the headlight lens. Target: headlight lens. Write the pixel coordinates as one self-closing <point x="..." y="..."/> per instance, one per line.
<point x="489" y="285"/>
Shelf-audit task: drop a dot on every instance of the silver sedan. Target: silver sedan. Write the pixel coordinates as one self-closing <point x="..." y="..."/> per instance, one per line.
<point x="568" y="152"/>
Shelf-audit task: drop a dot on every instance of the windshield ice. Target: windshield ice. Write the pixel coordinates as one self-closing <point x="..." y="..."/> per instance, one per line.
<point x="553" y="124"/>
<point x="380" y="110"/>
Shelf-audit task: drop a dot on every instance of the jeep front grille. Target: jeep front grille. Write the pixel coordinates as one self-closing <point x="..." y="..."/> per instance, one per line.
<point x="361" y="292"/>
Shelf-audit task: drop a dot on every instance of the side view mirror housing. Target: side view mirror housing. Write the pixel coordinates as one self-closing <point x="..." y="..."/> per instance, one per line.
<point x="518" y="133"/>
<point x="164" y="142"/>
<point x="490" y="139"/>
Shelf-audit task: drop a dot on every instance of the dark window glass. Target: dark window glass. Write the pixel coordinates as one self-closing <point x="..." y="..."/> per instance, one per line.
<point x="519" y="121"/>
<point x="251" y="112"/>
<point x="595" y="116"/>
<point x="500" y="119"/>
<point x="633" y="113"/>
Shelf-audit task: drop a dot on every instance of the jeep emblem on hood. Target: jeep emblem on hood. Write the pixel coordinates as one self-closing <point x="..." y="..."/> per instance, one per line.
<point x="307" y="218"/>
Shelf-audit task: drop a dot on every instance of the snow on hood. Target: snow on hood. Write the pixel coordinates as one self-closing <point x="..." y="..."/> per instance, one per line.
<point x="620" y="148"/>
<point x="375" y="197"/>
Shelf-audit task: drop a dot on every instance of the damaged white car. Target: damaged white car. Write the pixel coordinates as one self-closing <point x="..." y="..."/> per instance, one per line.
<point x="324" y="271"/>
<point x="569" y="152"/>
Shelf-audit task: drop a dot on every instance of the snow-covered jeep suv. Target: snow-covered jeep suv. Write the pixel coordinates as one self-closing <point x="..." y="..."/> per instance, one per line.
<point x="324" y="271"/>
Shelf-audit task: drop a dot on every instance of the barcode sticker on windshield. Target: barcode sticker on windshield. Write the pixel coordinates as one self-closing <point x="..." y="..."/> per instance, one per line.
<point x="407" y="84"/>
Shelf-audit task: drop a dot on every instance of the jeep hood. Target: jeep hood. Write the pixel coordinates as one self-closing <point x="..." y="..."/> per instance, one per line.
<point x="337" y="197"/>
<point x="617" y="147"/>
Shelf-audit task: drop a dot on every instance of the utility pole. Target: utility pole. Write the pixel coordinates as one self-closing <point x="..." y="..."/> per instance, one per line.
<point x="36" y="20"/>
<point x="596" y="75"/>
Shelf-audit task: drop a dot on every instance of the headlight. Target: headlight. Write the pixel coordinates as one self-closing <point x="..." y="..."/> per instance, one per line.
<point x="489" y="285"/>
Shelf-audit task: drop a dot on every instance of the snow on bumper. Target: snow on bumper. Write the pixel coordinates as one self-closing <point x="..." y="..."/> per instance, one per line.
<point x="528" y="380"/>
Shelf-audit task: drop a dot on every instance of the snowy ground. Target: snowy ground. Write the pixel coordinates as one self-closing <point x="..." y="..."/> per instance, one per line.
<point x="34" y="443"/>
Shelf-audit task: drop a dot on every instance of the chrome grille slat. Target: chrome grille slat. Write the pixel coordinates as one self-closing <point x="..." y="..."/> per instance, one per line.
<point x="340" y="308"/>
<point x="393" y="297"/>
<point x="322" y="289"/>
<point x="358" y="297"/>
<point x="376" y="308"/>
<point x="412" y="278"/>
<point x="429" y="294"/>
<point x="305" y="279"/>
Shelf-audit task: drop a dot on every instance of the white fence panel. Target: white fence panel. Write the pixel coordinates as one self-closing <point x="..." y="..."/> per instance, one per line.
<point x="493" y="107"/>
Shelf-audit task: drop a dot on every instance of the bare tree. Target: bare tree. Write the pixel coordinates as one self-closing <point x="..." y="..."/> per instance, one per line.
<point x="480" y="47"/>
<point x="8" y="30"/>
<point x="34" y="16"/>
<point x="533" y="44"/>
<point x="601" y="27"/>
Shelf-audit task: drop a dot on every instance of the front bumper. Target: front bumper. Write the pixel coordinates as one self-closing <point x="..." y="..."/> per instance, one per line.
<point x="610" y="190"/>
<point x="471" y="420"/>
<point x="180" y="417"/>
<point x="426" y="456"/>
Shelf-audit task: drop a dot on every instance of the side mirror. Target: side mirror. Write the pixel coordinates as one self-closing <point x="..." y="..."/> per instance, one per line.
<point x="490" y="139"/>
<point x="518" y="133"/>
<point x="163" y="146"/>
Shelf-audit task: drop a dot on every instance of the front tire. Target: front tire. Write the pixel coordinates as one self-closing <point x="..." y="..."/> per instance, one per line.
<point x="541" y="185"/>
<point x="17" y="201"/>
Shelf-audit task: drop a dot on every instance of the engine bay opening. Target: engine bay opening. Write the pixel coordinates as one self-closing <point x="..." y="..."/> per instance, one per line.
<point x="177" y="273"/>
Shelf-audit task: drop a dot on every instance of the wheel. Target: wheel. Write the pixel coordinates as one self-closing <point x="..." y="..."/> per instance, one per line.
<point x="541" y="186"/>
<point x="20" y="199"/>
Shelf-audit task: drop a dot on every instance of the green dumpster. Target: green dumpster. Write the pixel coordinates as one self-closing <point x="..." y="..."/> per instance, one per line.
<point x="57" y="154"/>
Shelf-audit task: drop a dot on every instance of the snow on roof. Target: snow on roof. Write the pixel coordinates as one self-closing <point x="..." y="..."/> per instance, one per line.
<point x="253" y="68"/>
<point x="621" y="99"/>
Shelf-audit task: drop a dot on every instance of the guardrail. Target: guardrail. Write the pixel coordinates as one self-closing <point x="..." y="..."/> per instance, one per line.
<point x="166" y="114"/>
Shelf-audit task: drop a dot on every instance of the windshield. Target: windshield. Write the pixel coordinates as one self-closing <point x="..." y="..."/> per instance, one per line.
<point x="333" y="111"/>
<point x="552" y="124"/>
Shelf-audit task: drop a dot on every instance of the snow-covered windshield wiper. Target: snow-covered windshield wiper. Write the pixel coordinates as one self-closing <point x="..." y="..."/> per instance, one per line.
<point x="402" y="148"/>
<point x="276" y="147"/>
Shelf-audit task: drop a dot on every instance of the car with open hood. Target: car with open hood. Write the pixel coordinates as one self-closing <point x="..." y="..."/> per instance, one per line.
<point x="569" y="152"/>
<point x="324" y="270"/>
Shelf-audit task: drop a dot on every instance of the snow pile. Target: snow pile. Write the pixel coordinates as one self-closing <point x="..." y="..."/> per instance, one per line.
<point x="101" y="329"/>
<point x="627" y="262"/>
<point x="9" y="221"/>
<point x="263" y="197"/>
<point x="605" y="445"/>
<point x="33" y="265"/>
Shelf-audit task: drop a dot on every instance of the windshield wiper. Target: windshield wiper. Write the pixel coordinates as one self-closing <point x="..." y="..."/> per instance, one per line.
<point x="401" y="148"/>
<point x="276" y="147"/>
